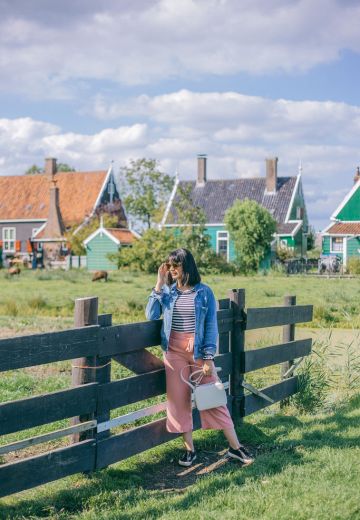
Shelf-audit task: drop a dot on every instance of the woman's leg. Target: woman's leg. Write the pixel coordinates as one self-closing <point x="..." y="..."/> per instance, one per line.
<point x="231" y="437"/>
<point x="188" y="441"/>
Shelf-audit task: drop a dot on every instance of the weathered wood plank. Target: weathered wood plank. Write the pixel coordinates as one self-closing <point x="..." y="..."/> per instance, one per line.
<point x="253" y="403"/>
<point x="140" y="361"/>
<point x="46" y="437"/>
<point x="38" y="349"/>
<point x="274" y="354"/>
<point x="129" y="337"/>
<point x="257" y="318"/>
<point x="43" y="409"/>
<point x="131" y="390"/>
<point x="225" y="318"/>
<point x="33" y="471"/>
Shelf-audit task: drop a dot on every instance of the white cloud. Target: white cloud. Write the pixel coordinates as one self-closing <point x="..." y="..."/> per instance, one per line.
<point x="48" y="52"/>
<point x="237" y="132"/>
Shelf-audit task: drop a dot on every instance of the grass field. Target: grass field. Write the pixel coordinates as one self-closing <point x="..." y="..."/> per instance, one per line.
<point x="307" y="465"/>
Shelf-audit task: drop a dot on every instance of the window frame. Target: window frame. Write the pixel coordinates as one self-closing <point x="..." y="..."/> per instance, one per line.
<point x="222" y="238"/>
<point x="331" y="245"/>
<point x="4" y="240"/>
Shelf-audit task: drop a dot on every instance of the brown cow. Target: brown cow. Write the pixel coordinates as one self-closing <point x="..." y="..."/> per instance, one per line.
<point x="99" y="275"/>
<point x="14" y="270"/>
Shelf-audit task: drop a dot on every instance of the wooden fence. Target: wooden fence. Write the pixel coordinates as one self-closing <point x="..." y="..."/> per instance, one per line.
<point x="92" y="345"/>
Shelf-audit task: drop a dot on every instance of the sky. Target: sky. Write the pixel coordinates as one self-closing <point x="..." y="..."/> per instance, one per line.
<point x="91" y="82"/>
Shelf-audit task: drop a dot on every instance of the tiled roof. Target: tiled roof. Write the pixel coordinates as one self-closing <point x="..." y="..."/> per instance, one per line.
<point x="344" y="228"/>
<point x="125" y="236"/>
<point x="215" y="197"/>
<point x="286" y="229"/>
<point x="27" y="196"/>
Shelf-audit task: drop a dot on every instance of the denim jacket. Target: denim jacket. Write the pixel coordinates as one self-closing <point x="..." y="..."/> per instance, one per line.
<point x="206" y="329"/>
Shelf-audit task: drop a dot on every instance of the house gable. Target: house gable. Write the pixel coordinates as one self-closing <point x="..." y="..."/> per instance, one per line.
<point x="349" y="210"/>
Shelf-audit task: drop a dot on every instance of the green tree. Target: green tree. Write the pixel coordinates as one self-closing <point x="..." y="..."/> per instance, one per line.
<point x="33" y="170"/>
<point x="64" y="167"/>
<point x="146" y="190"/>
<point x="251" y="227"/>
<point x="60" y="167"/>
<point x="147" y="253"/>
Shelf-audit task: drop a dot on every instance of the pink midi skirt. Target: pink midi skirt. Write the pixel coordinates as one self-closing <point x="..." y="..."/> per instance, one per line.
<point x="179" y="411"/>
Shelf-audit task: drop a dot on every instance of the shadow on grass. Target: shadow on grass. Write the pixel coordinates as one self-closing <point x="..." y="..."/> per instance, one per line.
<point x="149" y="485"/>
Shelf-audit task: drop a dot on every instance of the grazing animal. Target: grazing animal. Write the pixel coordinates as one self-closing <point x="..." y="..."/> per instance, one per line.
<point x="99" y="275"/>
<point x="14" y="270"/>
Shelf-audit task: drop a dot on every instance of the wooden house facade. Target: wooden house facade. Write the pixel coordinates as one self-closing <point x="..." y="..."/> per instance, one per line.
<point x="105" y="241"/>
<point x="283" y="197"/>
<point x="342" y="236"/>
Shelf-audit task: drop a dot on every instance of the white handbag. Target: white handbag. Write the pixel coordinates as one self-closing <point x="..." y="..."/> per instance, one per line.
<point x="208" y="395"/>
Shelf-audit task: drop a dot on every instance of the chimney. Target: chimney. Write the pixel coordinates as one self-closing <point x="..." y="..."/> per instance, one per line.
<point x="271" y="174"/>
<point x="357" y="175"/>
<point x="201" y="175"/>
<point x="54" y="227"/>
<point x="50" y="166"/>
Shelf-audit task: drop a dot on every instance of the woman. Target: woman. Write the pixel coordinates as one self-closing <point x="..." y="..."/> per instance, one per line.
<point x="188" y="337"/>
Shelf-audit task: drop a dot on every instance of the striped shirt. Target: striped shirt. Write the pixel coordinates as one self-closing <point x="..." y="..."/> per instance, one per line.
<point x="183" y="319"/>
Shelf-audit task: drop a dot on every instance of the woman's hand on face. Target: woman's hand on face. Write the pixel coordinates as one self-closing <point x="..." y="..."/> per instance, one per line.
<point x="208" y="367"/>
<point x="162" y="274"/>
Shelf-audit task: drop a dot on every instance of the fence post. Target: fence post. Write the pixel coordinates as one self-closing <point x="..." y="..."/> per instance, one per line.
<point x="86" y="313"/>
<point x="288" y="335"/>
<point x="237" y="347"/>
<point x="103" y="376"/>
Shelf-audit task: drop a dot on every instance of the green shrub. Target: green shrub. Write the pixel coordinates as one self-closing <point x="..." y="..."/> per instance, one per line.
<point x="353" y="266"/>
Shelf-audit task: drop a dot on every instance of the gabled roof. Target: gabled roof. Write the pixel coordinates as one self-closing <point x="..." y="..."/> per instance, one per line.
<point x="26" y="197"/>
<point x="343" y="228"/>
<point x="345" y="200"/>
<point x="216" y="196"/>
<point x="117" y="235"/>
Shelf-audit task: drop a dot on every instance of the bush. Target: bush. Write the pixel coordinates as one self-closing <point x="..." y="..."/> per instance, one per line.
<point x="284" y="253"/>
<point x="353" y="266"/>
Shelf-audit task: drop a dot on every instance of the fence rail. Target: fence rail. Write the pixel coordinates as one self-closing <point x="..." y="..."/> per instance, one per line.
<point x="92" y="344"/>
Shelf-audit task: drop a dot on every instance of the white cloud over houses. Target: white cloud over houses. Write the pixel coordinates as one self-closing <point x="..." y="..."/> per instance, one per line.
<point x="237" y="132"/>
<point x="52" y="50"/>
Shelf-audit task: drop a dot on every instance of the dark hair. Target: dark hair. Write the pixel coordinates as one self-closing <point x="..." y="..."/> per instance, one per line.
<point x="191" y="274"/>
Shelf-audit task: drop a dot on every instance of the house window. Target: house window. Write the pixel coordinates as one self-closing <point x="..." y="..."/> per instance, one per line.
<point x="336" y="245"/>
<point x="9" y="237"/>
<point x="222" y="244"/>
<point x="283" y="242"/>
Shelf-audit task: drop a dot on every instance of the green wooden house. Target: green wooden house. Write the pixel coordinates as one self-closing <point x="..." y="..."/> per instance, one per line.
<point x="282" y="196"/>
<point x="342" y="236"/>
<point x="104" y="241"/>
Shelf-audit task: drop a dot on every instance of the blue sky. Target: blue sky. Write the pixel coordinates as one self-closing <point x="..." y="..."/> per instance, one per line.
<point x="241" y="80"/>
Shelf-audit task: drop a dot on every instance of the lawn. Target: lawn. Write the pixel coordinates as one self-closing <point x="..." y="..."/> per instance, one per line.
<point x="307" y="465"/>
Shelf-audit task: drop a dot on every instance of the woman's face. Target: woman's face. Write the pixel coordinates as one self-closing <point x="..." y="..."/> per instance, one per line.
<point x="176" y="270"/>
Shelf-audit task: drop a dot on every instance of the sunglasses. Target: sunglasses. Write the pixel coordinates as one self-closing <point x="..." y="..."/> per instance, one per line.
<point x="173" y="264"/>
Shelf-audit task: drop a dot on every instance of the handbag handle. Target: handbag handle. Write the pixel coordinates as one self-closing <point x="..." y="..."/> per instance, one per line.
<point x="201" y="375"/>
